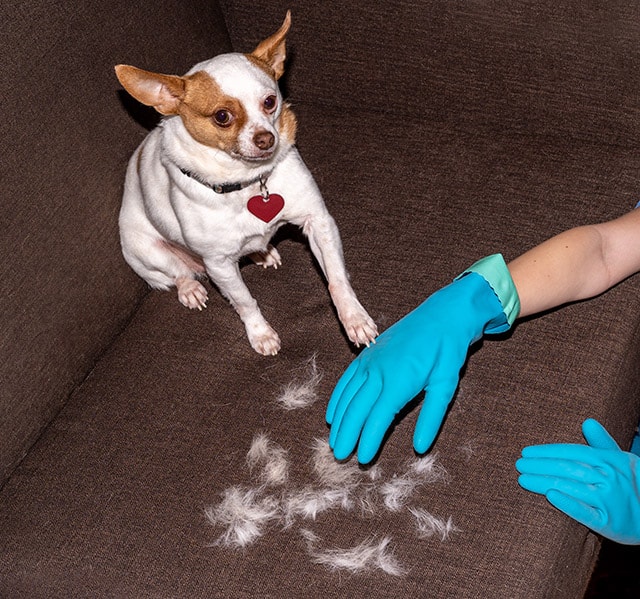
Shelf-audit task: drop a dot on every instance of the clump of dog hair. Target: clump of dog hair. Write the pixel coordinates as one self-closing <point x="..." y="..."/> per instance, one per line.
<point x="330" y="472"/>
<point x="367" y="555"/>
<point x="244" y="513"/>
<point x="428" y="525"/>
<point x="309" y="502"/>
<point x="428" y="468"/>
<point x="358" y="483"/>
<point x="336" y="485"/>
<point x="301" y="393"/>
<point x="272" y="458"/>
<point x="397" y="491"/>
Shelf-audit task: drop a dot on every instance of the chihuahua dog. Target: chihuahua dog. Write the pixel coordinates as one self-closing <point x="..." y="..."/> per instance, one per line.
<point x="214" y="181"/>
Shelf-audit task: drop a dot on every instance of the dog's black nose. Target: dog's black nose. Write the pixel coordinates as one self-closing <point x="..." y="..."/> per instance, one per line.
<point x="264" y="140"/>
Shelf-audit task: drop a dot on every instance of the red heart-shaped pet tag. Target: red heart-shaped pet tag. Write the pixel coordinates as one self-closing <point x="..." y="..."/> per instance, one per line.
<point x="266" y="209"/>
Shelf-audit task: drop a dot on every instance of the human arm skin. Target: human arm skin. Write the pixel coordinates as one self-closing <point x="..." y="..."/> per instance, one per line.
<point x="577" y="264"/>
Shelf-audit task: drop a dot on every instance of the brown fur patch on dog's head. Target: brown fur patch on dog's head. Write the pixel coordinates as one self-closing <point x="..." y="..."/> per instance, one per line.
<point x="198" y="100"/>
<point x="203" y="102"/>
<point x="288" y="124"/>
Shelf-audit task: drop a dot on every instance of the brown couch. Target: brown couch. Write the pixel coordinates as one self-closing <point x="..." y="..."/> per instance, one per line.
<point x="438" y="132"/>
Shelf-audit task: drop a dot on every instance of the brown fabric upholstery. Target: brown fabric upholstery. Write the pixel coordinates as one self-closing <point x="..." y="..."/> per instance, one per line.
<point x="66" y="140"/>
<point x="438" y="134"/>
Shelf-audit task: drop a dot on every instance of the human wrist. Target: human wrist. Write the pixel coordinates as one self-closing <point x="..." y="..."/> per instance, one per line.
<point x="493" y="269"/>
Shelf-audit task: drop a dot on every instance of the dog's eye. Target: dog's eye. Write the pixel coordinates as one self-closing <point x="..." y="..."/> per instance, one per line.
<point x="223" y="118"/>
<point x="270" y="103"/>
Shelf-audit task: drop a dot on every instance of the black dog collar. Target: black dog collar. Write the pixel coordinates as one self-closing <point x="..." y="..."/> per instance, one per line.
<point x="225" y="187"/>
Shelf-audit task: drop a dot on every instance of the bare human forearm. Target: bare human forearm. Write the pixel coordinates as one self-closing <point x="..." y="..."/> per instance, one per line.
<point x="577" y="264"/>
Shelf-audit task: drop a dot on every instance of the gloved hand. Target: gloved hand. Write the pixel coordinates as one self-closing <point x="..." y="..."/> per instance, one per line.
<point x="596" y="484"/>
<point x="425" y="350"/>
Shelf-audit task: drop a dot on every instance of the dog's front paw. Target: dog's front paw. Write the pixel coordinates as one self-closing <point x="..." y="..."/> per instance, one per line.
<point x="360" y="328"/>
<point x="264" y="339"/>
<point x="191" y="293"/>
<point x="270" y="257"/>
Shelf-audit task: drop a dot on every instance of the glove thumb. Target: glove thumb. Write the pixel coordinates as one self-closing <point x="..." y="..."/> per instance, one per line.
<point x="597" y="436"/>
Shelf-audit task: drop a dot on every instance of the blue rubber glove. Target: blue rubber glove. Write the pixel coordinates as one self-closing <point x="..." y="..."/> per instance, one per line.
<point x="596" y="484"/>
<point x="425" y="350"/>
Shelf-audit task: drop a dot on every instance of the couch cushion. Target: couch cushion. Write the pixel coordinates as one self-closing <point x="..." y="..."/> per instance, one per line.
<point x="112" y="499"/>
<point x="66" y="140"/>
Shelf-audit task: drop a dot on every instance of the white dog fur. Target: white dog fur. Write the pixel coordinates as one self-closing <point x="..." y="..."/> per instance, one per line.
<point x="226" y="124"/>
<point x="301" y="392"/>
<point x="367" y="555"/>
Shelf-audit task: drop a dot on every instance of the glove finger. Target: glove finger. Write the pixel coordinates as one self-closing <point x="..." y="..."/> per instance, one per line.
<point x="578" y="510"/>
<point x="560" y="469"/>
<point x="565" y="451"/>
<point x="581" y="491"/>
<point x="338" y="391"/>
<point x="437" y="400"/>
<point x="597" y="436"/>
<point x="378" y="421"/>
<point x="346" y="432"/>
<point x="357" y="381"/>
<point x="536" y="484"/>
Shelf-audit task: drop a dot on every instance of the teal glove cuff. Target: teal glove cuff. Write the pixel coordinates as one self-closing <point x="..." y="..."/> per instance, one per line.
<point x="494" y="270"/>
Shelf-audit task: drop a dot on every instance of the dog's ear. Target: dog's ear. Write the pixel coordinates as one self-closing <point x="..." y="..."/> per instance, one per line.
<point x="163" y="92"/>
<point x="272" y="51"/>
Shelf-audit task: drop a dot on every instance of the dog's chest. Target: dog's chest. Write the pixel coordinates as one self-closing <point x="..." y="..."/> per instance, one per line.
<point x="232" y="224"/>
<point x="240" y="222"/>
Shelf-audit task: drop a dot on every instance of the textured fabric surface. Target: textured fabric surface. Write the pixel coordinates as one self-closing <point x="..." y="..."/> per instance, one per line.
<point x="66" y="140"/>
<point x="536" y="66"/>
<point x="111" y="501"/>
<point x="471" y="153"/>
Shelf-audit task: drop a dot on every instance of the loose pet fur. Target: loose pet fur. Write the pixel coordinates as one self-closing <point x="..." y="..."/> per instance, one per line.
<point x="368" y="555"/>
<point x="301" y="393"/>
<point x="246" y="512"/>
<point x="216" y="180"/>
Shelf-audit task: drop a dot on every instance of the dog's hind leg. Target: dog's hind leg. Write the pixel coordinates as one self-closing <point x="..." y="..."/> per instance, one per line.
<point x="164" y="265"/>
<point x="270" y="257"/>
<point x="191" y="292"/>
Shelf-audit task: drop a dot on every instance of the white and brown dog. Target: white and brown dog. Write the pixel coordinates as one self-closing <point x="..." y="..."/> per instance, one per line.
<point x="214" y="181"/>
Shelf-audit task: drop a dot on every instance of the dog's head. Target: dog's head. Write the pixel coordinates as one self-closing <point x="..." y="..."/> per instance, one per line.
<point x="231" y="102"/>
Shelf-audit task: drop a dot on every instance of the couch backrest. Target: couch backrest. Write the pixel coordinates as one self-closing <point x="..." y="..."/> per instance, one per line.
<point x="523" y="71"/>
<point x="67" y="132"/>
